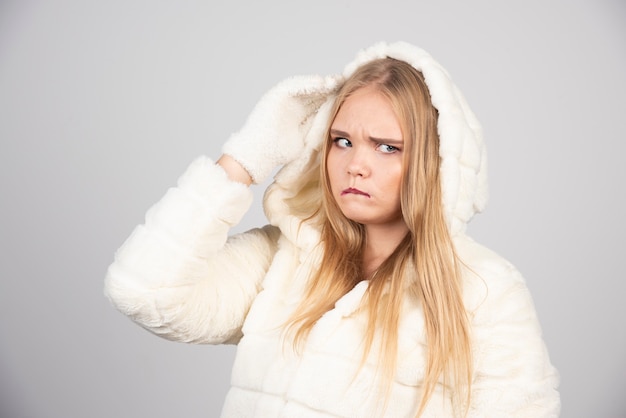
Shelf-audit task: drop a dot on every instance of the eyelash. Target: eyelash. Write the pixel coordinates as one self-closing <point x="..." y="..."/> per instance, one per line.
<point x="390" y="148"/>
<point x="337" y="140"/>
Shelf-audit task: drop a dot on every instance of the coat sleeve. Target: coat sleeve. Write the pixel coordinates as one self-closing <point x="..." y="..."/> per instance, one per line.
<point x="179" y="275"/>
<point x="513" y="376"/>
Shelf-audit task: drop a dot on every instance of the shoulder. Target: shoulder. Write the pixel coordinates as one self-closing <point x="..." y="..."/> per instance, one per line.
<point x="493" y="287"/>
<point x="481" y="259"/>
<point x="511" y="360"/>
<point x="259" y="243"/>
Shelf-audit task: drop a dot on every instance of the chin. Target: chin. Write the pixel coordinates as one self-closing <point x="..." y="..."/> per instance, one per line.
<point x="356" y="218"/>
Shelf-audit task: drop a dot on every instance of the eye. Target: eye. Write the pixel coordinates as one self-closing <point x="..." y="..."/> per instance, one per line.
<point x="387" y="149"/>
<point x="342" y="142"/>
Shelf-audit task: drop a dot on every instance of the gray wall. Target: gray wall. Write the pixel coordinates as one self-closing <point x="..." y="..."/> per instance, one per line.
<point x="103" y="104"/>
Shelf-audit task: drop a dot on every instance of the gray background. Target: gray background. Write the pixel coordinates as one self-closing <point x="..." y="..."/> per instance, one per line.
<point x="103" y="104"/>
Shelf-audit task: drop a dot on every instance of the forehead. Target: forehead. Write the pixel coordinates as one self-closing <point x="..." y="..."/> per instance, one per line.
<point x="370" y="111"/>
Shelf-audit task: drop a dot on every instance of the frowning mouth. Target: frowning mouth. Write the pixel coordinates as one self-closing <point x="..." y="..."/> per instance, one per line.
<point x="352" y="190"/>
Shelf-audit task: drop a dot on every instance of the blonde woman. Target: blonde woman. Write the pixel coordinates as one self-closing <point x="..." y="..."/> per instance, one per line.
<point x="363" y="297"/>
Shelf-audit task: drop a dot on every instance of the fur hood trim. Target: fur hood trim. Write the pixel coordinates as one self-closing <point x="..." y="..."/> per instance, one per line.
<point x="462" y="150"/>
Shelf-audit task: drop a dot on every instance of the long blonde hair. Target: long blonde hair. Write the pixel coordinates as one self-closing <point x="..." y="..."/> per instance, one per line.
<point x="423" y="266"/>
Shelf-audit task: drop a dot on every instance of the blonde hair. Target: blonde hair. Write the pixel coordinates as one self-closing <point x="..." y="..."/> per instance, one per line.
<point x="423" y="266"/>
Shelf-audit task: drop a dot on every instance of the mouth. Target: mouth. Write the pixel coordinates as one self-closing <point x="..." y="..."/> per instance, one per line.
<point x="352" y="190"/>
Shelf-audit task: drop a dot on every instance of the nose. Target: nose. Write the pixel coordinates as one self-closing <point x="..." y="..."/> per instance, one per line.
<point x="358" y="165"/>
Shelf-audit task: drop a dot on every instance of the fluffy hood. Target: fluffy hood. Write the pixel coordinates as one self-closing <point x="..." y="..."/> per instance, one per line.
<point x="462" y="151"/>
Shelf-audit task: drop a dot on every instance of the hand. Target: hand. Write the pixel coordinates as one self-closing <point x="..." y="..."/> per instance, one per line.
<point x="274" y="132"/>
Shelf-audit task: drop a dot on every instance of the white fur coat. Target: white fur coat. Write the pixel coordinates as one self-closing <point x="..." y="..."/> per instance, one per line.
<point x="182" y="276"/>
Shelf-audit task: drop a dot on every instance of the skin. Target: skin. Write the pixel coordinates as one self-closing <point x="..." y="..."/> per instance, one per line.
<point x="234" y="170"/>
<point x="365" y="171"/>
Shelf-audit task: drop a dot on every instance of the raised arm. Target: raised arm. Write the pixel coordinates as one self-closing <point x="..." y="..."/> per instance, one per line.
<point x="179" y="275"/>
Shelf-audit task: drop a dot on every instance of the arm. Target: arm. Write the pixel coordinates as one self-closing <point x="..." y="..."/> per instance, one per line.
<point x="513" y="373"/>
<point x="178" y="275"/>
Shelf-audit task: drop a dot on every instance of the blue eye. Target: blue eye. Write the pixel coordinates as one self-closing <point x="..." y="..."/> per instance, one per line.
<point x="342" y="142"/>
<point x="387" y="149"/>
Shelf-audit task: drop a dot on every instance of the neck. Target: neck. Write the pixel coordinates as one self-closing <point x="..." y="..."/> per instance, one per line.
<point x="380" y="242"/>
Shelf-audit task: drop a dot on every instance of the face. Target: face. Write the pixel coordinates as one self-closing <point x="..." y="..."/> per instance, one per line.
<point x="365" y="159"/>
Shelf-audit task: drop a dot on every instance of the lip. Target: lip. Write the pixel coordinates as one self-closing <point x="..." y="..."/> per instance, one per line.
<point x="352" y="190"/>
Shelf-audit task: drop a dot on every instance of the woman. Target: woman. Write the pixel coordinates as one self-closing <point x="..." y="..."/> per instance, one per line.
<point x="363" y="296"/>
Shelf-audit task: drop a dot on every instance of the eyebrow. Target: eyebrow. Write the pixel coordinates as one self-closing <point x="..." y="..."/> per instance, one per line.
<point x="388" y="141"/>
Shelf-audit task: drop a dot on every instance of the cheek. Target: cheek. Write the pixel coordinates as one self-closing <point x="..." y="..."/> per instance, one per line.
<point x="393" y="187"/>
<point x="392" y="178"/>
<point x="332" y="167"/>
